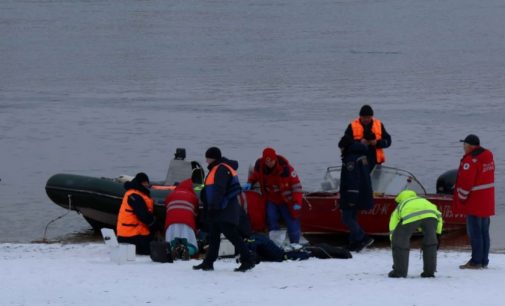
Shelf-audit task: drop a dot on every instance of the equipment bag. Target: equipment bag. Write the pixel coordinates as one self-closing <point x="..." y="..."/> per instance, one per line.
<point x="161" y="252"/>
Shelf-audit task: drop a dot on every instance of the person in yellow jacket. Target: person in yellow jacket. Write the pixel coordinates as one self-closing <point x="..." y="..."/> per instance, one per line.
<point x="413" y="214"/>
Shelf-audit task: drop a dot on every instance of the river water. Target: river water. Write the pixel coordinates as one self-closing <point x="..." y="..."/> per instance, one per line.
<point x="113" y="87"/>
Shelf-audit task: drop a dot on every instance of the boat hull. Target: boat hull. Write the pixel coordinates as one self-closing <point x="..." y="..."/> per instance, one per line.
<point x="97" y="199"/>
<point x="321" y="214"/>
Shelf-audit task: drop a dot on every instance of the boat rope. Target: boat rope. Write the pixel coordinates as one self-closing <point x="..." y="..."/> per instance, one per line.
<point x="44" y="239"/>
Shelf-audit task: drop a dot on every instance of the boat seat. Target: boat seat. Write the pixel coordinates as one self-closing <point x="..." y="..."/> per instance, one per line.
<point x="178" y="170"/>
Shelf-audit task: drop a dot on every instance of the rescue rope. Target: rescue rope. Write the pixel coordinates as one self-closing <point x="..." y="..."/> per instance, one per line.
<point x="44" y="239"/>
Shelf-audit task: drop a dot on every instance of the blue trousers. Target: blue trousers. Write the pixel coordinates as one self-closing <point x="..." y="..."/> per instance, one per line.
<point x="274" y="212"/>
<point x="349" y="218"/>
<point x="478" y="232"/>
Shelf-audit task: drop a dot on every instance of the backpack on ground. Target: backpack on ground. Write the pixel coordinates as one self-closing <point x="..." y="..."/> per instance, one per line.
<point x="161" y="252"/>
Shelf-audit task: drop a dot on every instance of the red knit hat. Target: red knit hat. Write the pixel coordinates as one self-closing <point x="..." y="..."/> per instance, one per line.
<point x="269" y="153"/>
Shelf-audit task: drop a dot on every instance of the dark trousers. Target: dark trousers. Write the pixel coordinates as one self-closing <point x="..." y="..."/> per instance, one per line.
<point x="349" y="218"/>
<point x="400" y="244"/>
<point x="142" y="243"/>
<point x="230" y="231"/>
<point x="478" y="232"/>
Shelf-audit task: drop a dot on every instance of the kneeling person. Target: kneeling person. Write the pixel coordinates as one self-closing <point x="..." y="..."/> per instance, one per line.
<point x="181" y="206"/>
<point x="136" y="222"/>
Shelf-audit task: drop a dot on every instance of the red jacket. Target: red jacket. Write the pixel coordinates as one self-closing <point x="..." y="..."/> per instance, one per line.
<point x="474" y="189"/>
<point x="280" y="184"/>
<point x="181" y="205"/>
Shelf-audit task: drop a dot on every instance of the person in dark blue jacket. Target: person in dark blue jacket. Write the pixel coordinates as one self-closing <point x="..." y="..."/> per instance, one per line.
<point x="221" y="205"/>
<point x="355" y="190"/>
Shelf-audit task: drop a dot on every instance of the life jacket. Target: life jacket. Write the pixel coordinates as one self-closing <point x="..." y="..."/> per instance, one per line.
<point x="128" y="224"/>
<point x="474" y="191"/>
<point x="181" y="205"/>
<point x="233" y="189"/>
<point x="411" y="209"/>
<point x="358" y="133"/>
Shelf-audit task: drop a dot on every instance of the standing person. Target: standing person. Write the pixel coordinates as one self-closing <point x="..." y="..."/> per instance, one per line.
<point x="474" y="196"/>
<point x="355" y="190"/>
<point x="371" y="132"/>
<point x="181" y="206"/>
<point x="219" y="197"/>
<point x="281" y="186"/>
<point x="136" y="222"/>
<point x="411" y="214"/>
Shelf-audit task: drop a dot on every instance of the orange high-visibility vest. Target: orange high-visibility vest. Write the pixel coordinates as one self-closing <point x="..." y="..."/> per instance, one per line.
<point x="358" y="133"/>
<point x="234" y="188"/>
<point x="128" y="224"/>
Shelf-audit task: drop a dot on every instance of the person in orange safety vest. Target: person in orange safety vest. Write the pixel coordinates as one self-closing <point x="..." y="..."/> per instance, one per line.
<point x="371" y="132"/>
<point x="136" y="221"/>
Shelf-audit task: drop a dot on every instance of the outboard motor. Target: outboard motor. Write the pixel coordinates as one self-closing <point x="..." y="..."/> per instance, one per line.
<point x="446" y="182"/>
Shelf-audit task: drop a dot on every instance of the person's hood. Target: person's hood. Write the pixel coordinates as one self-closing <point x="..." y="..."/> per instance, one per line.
<point x="404" y="195"/>
<point x="134" y="184"/>
<point x="224" y="160"/>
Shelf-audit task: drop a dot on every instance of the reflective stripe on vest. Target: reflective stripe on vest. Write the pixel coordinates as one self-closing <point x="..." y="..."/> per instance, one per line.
<point x="482" y="187"/>
<point x="421" y="212"/>
<point x="181" y="204"/>
<point x="358" y="132"/>
<point x="128" y="224"/>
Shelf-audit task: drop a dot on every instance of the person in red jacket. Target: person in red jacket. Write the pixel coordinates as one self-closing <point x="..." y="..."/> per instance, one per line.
<point x="474" y="196"/>
<point x="181" y="208"/>
<point x="281" y="186"/>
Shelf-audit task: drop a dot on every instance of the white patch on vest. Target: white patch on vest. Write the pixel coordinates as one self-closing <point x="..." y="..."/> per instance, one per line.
<point x="466" y="166"/>
<point x="293" y="174"/>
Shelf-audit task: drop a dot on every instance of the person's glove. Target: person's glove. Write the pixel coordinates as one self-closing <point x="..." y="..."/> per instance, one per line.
<point x="439" y="238"/>
<point x="247" y="186"/>
<point x="296" y="210"/>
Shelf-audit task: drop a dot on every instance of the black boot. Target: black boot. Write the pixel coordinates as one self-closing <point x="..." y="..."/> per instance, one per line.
<point x="425" y="274"/>
<point x="394" y="274"/>
<point x="204" y="267"/>
<point x="245" y="266"/>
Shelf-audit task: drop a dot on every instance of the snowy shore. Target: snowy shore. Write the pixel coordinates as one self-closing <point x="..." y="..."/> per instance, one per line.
<point x="82" y="274"/>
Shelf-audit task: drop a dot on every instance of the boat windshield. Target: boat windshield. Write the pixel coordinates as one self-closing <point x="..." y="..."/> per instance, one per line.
<point x="385" y="180"/>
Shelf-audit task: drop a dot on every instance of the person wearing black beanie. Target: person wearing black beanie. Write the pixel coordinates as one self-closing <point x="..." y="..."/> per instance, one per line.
<point x="371" y="132"/>
<point x="136" y="223"/>
<point x="366" y="110"/>
<point x="222" y="210"/>
<point x="213" y="153"/>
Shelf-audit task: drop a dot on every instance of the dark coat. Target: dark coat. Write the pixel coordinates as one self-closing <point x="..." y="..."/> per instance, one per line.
<point x="355" y="183"/>
<point x="222" y="185"/>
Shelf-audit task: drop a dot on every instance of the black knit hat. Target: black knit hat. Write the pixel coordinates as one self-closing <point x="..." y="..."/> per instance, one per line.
<point x="472" y="140"/>
<point x="366" y="110"/>
<point x="141" y="177"/>
<point x="213" y="152"/>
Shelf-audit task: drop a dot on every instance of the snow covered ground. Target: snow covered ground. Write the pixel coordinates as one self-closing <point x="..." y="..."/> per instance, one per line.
<point x="82" y="274"/>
